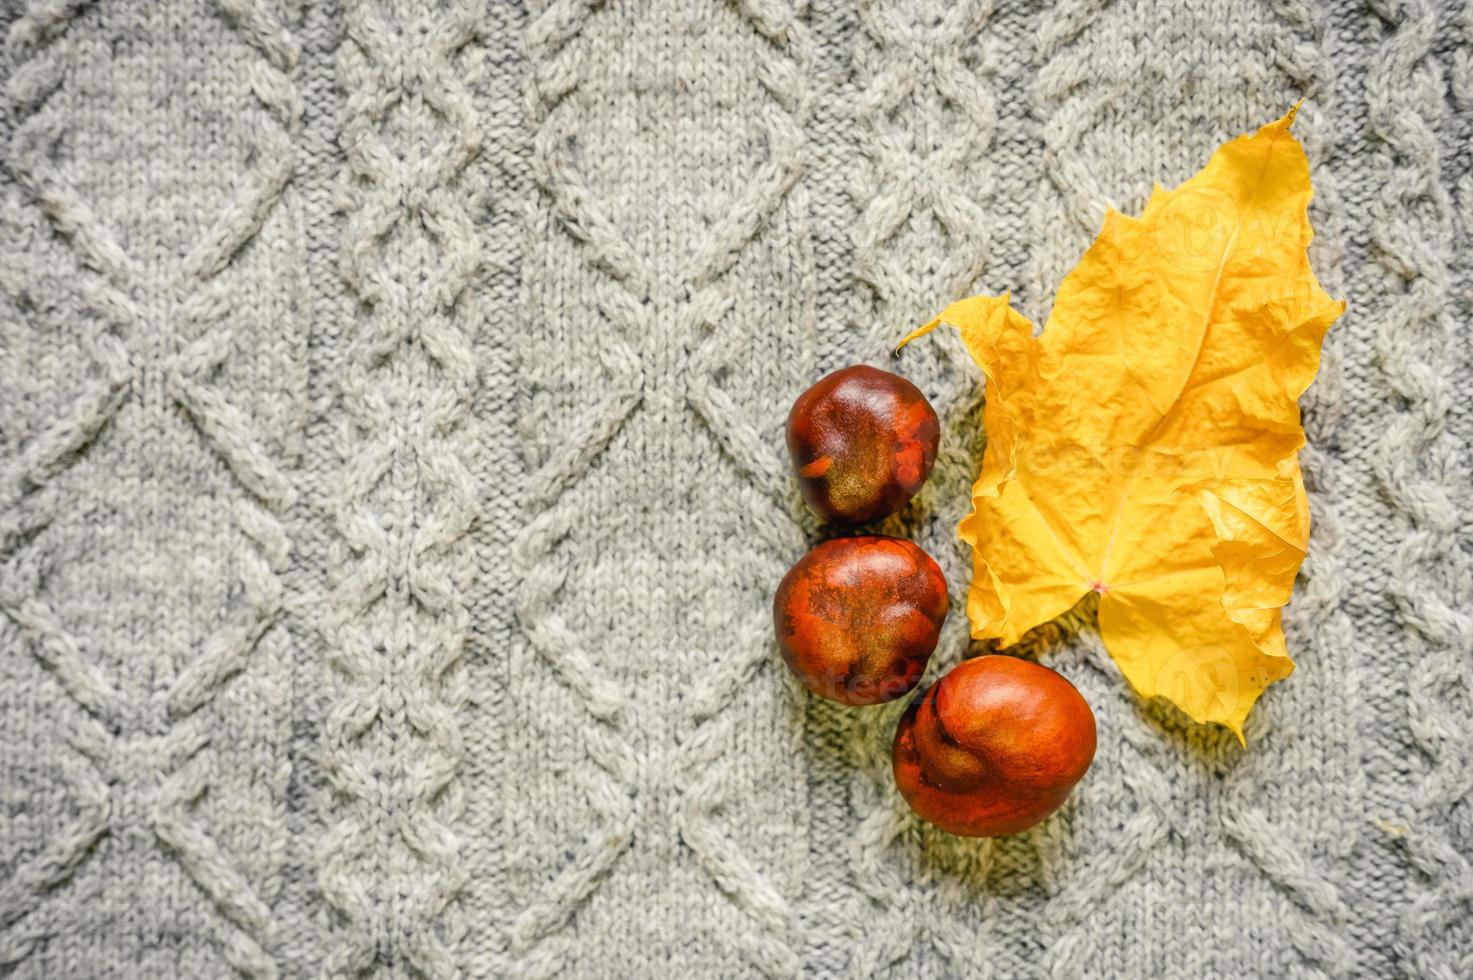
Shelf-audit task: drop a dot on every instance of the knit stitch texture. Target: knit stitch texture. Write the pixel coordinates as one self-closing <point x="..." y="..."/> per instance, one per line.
<point x="392" y="488"/>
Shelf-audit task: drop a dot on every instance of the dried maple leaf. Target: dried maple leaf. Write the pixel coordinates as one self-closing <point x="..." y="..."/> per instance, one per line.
<point x="1145" y="445"/>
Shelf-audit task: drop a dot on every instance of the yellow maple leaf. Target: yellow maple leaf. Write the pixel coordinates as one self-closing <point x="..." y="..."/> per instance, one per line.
<point x="1145" y="445"/>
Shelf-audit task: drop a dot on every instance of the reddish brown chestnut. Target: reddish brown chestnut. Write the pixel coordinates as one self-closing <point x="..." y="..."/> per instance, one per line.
<point x="993" y="747"/>
<point x="862" y="441"/>
<point x="857" y="618"/>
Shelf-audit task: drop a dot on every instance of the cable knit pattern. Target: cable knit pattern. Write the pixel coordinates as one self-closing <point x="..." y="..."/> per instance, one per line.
<point x="406" y="496"/>
<point x="655" y="324"/>
<point x="1431" y="582"/>
<point x="392" y="488"/>
<point x="170" y="405"/>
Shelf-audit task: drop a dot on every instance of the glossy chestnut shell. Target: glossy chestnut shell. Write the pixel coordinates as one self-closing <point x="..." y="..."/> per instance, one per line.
<point x="862" y="442"/>
<point x="857" y="618"/>
<point x="993" y="747"/>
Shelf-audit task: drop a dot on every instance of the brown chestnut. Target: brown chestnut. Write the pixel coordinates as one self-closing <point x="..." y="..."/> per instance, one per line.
<point x="862" y="442"/>
<point x="857" y="618"/>
<point x="993" y="747"/>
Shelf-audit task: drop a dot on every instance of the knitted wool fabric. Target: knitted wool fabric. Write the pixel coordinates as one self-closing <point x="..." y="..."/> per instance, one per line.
<point x="392" y="490"/>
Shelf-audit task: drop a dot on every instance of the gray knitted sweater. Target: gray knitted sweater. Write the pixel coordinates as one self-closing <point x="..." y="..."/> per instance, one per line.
<point x="391" y="488"/>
